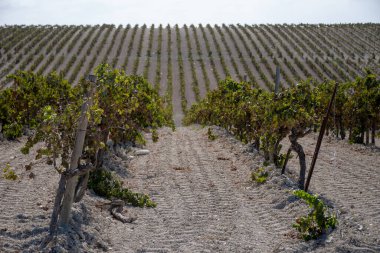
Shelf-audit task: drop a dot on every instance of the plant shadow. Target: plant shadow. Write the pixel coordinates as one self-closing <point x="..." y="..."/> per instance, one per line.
<point x="77" y="237"/>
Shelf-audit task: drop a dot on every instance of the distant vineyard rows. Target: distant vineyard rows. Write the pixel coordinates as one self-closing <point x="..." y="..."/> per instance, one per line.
<point x="184" y="63"/>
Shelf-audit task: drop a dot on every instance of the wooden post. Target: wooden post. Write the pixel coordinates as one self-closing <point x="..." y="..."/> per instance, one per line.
<point x="320" y="137"/>
<point x="71" y="183"/>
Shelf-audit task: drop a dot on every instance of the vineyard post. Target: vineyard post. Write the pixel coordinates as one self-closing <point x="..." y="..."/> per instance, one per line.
<point x="276" y="88"/>
<point x="320" y="137"/>
<point x="71" y="183"/>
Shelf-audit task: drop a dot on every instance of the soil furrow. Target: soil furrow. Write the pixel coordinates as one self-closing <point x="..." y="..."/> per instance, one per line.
<point x="206" y="201"/>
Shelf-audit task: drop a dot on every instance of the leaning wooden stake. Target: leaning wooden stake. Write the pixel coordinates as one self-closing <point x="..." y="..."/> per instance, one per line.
<point x="72" y="182"/>
<point x="320" y="137"/>
<point x="66" y="189"/>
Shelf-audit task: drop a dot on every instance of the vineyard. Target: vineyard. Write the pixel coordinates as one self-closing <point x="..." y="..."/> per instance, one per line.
<point x="175" y="139"/>
<point x="184" y="63"/>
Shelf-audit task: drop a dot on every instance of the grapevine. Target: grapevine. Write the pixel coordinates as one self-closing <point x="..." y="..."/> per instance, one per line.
<point x="117" y="107"/>
<point x="264" y="119"/>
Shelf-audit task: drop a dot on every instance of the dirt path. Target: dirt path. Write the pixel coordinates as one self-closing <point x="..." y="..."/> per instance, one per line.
<point x="206" y="201"/>
<point x="200" y="203"/>
<point x="25" y="204"/>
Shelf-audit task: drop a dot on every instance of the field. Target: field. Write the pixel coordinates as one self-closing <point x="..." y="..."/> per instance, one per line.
<point x="200" y="178"/>
<point x="206" y="201"/>
<point x="186" y="62"/>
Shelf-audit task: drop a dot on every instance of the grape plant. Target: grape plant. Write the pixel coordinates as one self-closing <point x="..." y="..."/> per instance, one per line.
<point x="264" y="118"/>
<point x="116" y="106"/>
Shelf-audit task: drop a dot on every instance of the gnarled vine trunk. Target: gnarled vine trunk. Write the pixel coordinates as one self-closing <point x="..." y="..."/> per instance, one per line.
<point x="341" y="128"/>
<point x="293" y="137"/>
<point x="81" y="187"/>
<point x="373" y="134"/>
<point x="286" y="160"/>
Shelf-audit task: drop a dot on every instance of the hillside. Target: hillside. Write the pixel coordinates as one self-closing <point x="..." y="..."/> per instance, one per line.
<point x="185" y="62"/>
<point x="205" y="182"/>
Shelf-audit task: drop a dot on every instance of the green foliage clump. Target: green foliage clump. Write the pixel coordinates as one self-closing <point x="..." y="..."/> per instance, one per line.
<point x="266" y="163"/>
<point x="12" y="131"/>
<point x="317" y="221"/>
<point x="21" y="104"/>
<point x="260" y="176"/>
<point x="121" y="108"/>
<point x="106" y="184"/>
<point x="128" y="105"/>
<point x="256" y="115"/>
<point x="356" y="107"/>
<point x="210" y="134"/>
<point x="154" y="135"/>
<point x="118" y="107"/>
<point x="282" y="158"/>
<point x="9" y="173"/>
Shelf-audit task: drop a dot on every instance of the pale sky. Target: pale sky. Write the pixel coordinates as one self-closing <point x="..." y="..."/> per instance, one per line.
<point x="187" y="12"/>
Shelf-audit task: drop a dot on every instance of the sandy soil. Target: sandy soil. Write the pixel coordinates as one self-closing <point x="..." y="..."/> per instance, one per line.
<point x="133" y="54"/>
<point x="197" y="64"/>
<point x="189" y="92"/>
<point x="164" y="62"/>
<point x="99" y="56"/>
<point x="295" y="54"/>
<point x="106" y="46"/>
<point x="234" y="54"/>
<point x="153" y="57"/>
<point x="115" y="46"/>
<point x="75" y="50"/>
<point x="144" y="57"/>
<point x="225" y="56"/>
<point x="124" y="49"/>
<point x="246" y="56"/>
<point x="63" y="51"/>
<point x="61" y="36"/>
<point x="297" y="69"/>
<point x="214" y="51"/>
<point x="264" y="69"/>
<point x="176" y="100"/>
<point x="206" y="200"/>
<point x="204" y="56"/>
